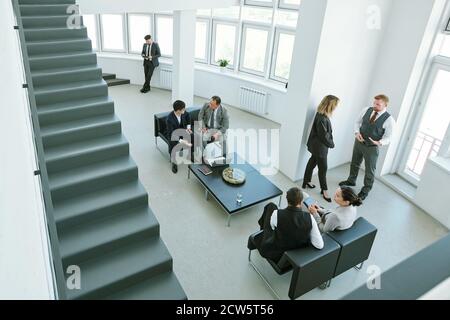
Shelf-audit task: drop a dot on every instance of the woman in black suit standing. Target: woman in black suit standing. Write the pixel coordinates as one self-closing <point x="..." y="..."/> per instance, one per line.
<point x="319" y="141"/>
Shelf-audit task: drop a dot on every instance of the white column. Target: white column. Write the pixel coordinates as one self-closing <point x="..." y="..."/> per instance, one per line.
<point x="183" y="56"/>
<point x="307" y="40"/>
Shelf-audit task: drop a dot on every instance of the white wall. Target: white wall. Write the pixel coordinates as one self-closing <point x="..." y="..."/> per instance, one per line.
<point x="349" y="47"/>
<point x="120" y="6"/>
<point x="24" y="263"/>
<point x="208" y="82"/>
<point x="432" y="193"/>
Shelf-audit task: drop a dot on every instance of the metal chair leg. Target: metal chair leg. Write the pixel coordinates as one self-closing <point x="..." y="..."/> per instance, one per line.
<point x="360" y="266"/>
<point x="272" y="291"/>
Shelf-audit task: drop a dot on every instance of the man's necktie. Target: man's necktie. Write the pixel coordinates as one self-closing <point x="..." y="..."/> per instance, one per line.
<point x="374" y="118"/>
<point x="211" y="121"/>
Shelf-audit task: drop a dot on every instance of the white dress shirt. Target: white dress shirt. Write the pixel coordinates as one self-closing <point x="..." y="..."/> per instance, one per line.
<point x="315" y="236"/>
<point x="178" y="118"/>
<point x="388" y="125"/>
<point x="149" y="50"/>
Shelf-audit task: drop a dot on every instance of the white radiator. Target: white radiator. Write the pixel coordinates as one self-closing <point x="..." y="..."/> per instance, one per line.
<point x="253" y="100"/>
<point x="165" y="78"/>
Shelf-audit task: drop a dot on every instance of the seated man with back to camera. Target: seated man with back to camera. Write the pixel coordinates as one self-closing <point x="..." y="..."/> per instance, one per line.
<point x="288" y="229"/>
<point x="178" y="124"/>
<point x="214" y="121"/>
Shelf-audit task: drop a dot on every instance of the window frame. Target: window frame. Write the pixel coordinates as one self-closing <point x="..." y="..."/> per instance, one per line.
<point x="233" y="23"/>
<point x="208" y="39"/>
<point x="256" y="3"/>
<point x="156" y="16"/>
<point x="128" y="29"/>
<point x="283" y="5"/>
<point x="124" y="31"/>
<point x="263" y="27"/>
<point x="273" y="63"/>
<point x="97" y="31"/>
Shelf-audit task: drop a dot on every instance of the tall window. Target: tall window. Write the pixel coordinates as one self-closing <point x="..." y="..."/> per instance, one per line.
<point x="164" y="34"/>
<point x="256" y="37"/>
<point x="284" y="46"/>
<point x="113" y="37"/>
<point x="90" y="22"/>
<point x="224" y="46"/>
<point x="139" y="25"/>
<point x="254" y="49"/>
<point x="201" y="40"/>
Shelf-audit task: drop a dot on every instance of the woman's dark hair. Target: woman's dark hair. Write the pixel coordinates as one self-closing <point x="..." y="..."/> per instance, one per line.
<point x="294" y="197"/>
<point x="348" y="194"/>
<point x="148" y="37"/>
<point x="178" y="105"/>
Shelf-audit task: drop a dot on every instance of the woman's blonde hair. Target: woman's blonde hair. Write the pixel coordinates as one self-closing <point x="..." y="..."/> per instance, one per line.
<point x="328" y="105"/>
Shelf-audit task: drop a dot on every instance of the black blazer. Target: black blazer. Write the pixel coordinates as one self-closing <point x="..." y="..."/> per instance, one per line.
<point x="321" y="136"/>
<point x="155" y="52"/>
<point x="172" y="123"/>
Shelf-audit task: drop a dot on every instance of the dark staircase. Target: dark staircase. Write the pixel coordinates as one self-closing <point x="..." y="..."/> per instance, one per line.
<point x="100" y="209"/>
<point x="112" y="81"/>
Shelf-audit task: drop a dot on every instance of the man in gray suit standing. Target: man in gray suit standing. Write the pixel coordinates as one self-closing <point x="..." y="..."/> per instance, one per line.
<point x="214" y="121"/>
<point x="150" y="53"/>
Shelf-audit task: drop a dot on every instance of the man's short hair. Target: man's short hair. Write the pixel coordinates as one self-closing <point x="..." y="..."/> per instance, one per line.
<point x="383" y="97"/>
<point x="217" y="100"/>
<point x="178" y="105"/>
<point x="294" y="197"/>
<point x="148" y="37"/>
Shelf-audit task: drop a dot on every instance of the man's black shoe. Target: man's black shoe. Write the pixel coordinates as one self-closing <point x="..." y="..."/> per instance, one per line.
<point x="362" y="195"/>
<point x="174" y="168"/>
<point x="347" y="183"/>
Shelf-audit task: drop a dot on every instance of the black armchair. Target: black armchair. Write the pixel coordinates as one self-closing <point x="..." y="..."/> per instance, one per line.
<point x="311" y="267"/>
<point x="356" y="244"/>
<point x="160" y="124"/>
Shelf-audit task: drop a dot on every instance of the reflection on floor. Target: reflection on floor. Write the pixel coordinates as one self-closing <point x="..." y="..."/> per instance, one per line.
<point x="210" y="259"/>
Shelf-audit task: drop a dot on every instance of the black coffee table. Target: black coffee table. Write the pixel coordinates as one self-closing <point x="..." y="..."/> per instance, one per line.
<point x="255" y="190"/>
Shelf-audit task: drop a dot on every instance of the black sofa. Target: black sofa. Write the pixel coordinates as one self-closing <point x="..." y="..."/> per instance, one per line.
<point x="160" y="124"/>
<point x="343" y="250"/>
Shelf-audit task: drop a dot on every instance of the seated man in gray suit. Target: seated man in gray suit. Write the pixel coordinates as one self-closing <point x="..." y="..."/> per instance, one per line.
<point x="214" y="121"/>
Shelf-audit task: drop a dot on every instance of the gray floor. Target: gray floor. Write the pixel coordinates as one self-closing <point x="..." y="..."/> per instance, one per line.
<point x="211" y="259"/>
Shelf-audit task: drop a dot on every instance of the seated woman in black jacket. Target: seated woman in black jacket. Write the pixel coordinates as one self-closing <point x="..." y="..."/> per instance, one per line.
<point x="320" y="140"/>
<point x="179" y="130"/>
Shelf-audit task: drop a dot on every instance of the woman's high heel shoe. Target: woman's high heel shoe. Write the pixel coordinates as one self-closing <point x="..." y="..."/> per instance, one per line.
<point x="308" y="185"/>
<point x="323" y="195"/>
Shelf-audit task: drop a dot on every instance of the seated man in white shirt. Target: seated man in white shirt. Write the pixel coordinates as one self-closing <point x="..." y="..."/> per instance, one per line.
<point x="288" y="229"/>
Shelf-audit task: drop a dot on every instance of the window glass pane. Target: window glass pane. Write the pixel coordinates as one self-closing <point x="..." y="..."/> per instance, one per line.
<point x="138" y="27"/>
<point x="112" y="31"/>
<point x="445" y="50"/>
<point x="204" y="12"/>
<point x="90" y="23"/>
<point x="255" y="49"/>
<point x="284" y="55"/>
<point x="164" y="28"/>
<point x="257" y="14"/>
<point x="230" y="13"/>
<point x="286" y="18"/>
<point x="225" y="41"/>
<point x="290" y="2"/>
<point x="201" y="34"/>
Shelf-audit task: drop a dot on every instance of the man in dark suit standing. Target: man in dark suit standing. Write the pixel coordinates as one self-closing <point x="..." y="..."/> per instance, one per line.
<point x="150" y="53"/>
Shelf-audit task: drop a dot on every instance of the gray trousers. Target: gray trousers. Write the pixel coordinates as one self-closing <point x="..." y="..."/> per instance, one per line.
<point x="370" y="156"/>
